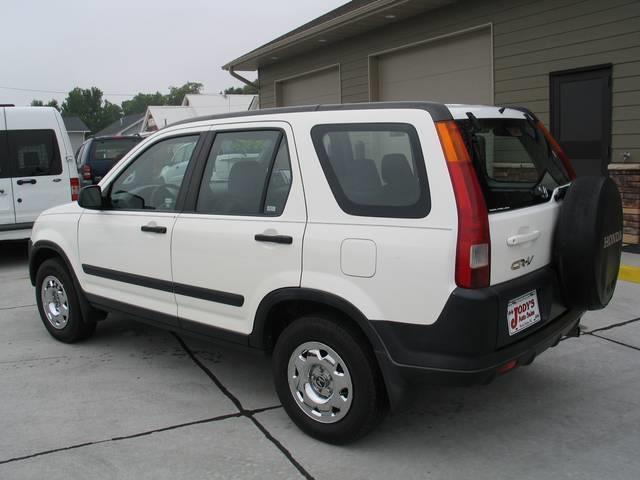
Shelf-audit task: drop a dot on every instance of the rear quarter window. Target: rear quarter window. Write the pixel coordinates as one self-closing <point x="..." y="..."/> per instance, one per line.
<point x="33" y="153"/>
<point x="374" y="169"/>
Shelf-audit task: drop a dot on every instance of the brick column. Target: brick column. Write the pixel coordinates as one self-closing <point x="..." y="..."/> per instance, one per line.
<point x="627" y="177"/>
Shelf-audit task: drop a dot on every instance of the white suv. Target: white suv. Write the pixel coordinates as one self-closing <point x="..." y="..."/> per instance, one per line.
<point x="365" y="245"/>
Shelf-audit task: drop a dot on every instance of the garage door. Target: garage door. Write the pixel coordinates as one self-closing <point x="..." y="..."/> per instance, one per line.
<point x="318" y="87"/>
<point x="456" y="69"/>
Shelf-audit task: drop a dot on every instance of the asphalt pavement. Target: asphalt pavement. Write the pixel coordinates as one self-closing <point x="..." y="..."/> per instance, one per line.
<point x="136" y="402"/>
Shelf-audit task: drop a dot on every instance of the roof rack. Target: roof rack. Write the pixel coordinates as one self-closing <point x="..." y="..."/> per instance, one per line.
<point x="438" y="111"/>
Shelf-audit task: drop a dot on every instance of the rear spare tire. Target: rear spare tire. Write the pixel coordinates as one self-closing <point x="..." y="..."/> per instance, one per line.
<point x="588" y="242"/>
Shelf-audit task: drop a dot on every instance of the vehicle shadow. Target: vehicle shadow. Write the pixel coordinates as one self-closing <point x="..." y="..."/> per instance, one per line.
<point x="13" y="254"/>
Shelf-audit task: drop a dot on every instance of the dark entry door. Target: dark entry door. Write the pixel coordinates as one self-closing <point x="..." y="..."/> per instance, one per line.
<point x="581" y="117"/>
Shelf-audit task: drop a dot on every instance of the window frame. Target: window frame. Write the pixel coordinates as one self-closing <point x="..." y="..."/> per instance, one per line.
<point x="5" y="170"/>
<point x="57" y="154"/>
<point x="420" y="209"/>
<point x="186" y="179"/>
<point x="198" y="176"/>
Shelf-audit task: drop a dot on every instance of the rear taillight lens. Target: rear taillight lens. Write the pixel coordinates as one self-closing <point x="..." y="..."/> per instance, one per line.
<point x="473" y="252"/>
<point x="557" y="149"/>
<point x="75" y="188"/>
<point x="86" y="172"/>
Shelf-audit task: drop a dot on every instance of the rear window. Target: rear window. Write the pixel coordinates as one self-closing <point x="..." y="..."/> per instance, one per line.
<point x="111" y="149"/>
<point x="514" y="162"/>
<point x="33" y="153"/>
<point x="374" y="170"/>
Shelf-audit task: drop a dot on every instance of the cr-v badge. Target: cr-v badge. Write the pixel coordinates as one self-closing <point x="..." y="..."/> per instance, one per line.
<point x="522" y="262"/>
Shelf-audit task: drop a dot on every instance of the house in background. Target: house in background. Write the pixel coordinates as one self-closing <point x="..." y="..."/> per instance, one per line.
<point x="127" y="125"/>
<point x="574" y="63"/>
<point x="195" y="105"/>
<point x="77" y="131"/>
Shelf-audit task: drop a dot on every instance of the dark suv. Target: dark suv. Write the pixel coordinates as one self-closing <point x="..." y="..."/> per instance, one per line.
<point x="98" y="155"/>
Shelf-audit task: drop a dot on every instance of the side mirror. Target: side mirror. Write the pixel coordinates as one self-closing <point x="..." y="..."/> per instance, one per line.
<point x="91" y="197"/>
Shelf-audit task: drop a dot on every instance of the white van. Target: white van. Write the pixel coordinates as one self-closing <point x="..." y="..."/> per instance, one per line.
<point x="37" y="168"/>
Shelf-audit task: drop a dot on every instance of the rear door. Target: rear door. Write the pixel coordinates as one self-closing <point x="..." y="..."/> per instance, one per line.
<point x="7" y="212"/>
<point x="243" y="237"/>
<point x="518" y="172"/>
<point x="36" y="151"/>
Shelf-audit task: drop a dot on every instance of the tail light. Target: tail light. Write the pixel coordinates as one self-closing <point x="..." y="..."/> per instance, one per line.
<point x="473" y="251"/>
<point x="86" y="172"/>
<point x="75" y="188"/>
<point x="555" y="146"/>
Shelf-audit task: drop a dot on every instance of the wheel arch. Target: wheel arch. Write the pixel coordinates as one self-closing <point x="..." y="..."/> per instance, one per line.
<point x="304" y="300"/>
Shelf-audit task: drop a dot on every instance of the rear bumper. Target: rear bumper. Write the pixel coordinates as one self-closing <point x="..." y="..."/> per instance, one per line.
<point x="469" y="343"/>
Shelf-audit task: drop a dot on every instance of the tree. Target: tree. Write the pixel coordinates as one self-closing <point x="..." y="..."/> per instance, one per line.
<point x="90" y="107"/>
<point x="141" y="101"/>
<point x="245" y="89"/>
<point x="51" y="103"/>
<point x="176" y="94"/>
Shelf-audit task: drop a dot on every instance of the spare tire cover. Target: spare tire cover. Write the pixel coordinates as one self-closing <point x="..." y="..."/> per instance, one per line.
<point x="588" y="242"/>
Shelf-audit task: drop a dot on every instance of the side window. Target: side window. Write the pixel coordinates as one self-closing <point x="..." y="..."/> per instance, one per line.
<point x="4" y="156"/>
<point x="34" y="153"/>
<point x="152" y="180"/>
<point x="247" y="173"/>
<point x="374" y="170"/>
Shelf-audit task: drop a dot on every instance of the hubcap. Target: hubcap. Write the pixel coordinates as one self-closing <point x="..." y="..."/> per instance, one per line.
<point x="54" y="302"/>
<point x="320" y="382"/>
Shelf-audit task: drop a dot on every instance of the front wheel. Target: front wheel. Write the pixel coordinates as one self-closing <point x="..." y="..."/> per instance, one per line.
<point x="328" y="380"/>
<point x="58" y="303"/>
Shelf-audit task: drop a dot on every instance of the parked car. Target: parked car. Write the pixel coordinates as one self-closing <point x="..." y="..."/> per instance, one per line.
<point x="367" y="246"/>
<point x="36" y="167"/>
<point x="98" y="155"/>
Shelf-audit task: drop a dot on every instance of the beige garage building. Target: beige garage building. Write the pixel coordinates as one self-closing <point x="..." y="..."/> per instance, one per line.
<point x="574" y="63"/>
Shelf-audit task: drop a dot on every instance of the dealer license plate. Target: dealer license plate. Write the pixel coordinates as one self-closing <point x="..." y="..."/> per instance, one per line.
<point x="522" y="312"/>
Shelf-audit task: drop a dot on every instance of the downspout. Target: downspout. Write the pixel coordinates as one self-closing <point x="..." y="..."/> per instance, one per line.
<point x="242" y="79"/>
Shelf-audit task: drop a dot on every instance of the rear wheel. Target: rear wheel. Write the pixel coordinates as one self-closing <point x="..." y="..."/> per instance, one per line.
<point x="58" y="303"/>
<point x="328" y="380"/>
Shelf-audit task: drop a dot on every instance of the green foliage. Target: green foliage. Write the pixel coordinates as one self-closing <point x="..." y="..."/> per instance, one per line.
<point x="244" y="90"/>
<point x="141" y="101"/>
<point x="176" y="94"/>
<point x="97" y="113"/>
<point x="51" y="103"/>
<point x="88" y="104"/>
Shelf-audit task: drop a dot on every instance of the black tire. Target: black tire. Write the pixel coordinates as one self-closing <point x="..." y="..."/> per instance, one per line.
<point x="368" y="401"/>
<point x="588" y="242"/>
<point x="74" y="328"/>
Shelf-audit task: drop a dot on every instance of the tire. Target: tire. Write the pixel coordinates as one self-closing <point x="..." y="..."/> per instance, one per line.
<point x="59" y="305"/>
<point x="336" y="393"/>
<point x="588" y="242"/>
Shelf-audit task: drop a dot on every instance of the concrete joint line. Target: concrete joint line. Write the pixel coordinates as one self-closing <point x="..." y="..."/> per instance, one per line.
<point x="250" y="414"/>
<point x="613" y="341"/>
<point x="615" y="325"/>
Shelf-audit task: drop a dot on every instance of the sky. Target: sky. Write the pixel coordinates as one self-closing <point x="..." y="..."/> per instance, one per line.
<point x="125" y="47"/>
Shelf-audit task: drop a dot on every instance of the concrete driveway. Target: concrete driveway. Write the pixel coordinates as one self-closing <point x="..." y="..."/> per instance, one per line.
<point x="137" y="402"/>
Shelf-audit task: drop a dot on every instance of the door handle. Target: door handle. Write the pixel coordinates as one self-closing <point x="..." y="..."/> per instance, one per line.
<point x="283" y="239"/>
<point x="522" y="238"/>
<point x="153" y="229"/>
<point x="32" y="181"/>
<point x="1" y="191"/>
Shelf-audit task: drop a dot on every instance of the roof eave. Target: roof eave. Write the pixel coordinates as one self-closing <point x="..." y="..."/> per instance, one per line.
<point x="311" y="32"/>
